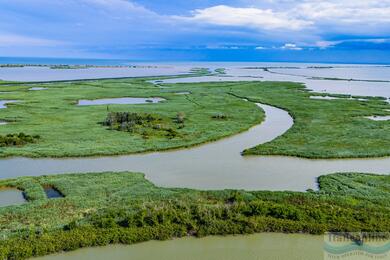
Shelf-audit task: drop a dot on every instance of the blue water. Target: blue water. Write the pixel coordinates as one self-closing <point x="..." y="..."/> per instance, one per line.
<point x="124" y="62"/>
<point x="63" y="61"/>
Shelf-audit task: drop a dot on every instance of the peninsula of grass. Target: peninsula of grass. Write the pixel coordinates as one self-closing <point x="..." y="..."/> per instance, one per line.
<point x="322" y="128"/>
<point x="68" y="130"/>
<point x="103" y="208"/>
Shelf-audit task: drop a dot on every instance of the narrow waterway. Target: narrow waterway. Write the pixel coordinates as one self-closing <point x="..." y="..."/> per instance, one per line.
<point x="270" y="246"/>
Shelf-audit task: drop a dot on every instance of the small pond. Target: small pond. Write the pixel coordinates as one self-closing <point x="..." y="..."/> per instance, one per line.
<point x="36" y="88"/>
<point x="52" y="193"/>
<point x="11" y="196"/>
<point x="324" y="97"/>
<point x="379" y="118"/>
<point x="331" y="98"/>
<point x="119" y="101"/>
<point x="183" y="93"/>
<point x="3" y="103"/>
<point x="3" y="122"/>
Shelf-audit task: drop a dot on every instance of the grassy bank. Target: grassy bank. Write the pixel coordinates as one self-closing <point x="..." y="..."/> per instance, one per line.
<point x="104" y="208"/>
<point x="322" y="128"/>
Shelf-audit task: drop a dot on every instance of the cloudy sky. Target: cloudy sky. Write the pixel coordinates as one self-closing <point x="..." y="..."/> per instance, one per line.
<point x="225" y="30"/>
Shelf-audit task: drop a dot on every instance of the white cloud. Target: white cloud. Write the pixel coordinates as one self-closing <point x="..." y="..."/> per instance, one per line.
<point x="291" y="46"/>
<point x="260" y="48"/>
<point x="247" y="17"/>
<point x="120" y="9"/>
<point x="7" y="40"/>
<point x="356" y="11"/>
<point x="326" y="44"/>
<point x="115" y="4"/>
<point x="319" y="16"/>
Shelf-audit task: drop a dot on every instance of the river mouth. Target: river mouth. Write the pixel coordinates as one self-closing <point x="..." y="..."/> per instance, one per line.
<point x="119" y="101"/>
<point x="11" y="196"/>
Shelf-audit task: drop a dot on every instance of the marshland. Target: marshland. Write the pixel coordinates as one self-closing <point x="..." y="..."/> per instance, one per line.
<point x="209" y="140"/>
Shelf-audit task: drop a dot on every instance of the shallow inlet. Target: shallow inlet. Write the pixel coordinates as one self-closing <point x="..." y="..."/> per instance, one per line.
<point x="3" y="103"/>
<point x="379" y="118"/>
<point x="37" y="88"/>
<point x="11" y="196"/>
<point x="119" y="101"/>
<point x="270" y="246"/>
<point x="355" y="88"/>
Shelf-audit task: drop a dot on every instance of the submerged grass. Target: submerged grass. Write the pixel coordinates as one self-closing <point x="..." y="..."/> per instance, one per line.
<point x="104" y="208"/>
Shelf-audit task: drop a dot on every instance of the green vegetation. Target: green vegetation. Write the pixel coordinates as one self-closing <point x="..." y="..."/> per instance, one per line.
<point x="64" y="67"/>
<point x="70" y="130"/>
<point x="322" y="128"/>
<point x="11" y="65"/>
<point x="219" y="116"/>
<point x="103" y="208"/>
<point x="17" y="139"/>
<point x="147" y="125"/>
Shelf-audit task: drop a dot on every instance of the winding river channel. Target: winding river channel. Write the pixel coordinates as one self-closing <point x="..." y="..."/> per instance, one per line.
<point x="215" y="165"/>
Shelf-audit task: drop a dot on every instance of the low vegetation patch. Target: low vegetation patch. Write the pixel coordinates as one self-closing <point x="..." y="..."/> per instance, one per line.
<point x="103" y="208"/>
<point x="17" y="139"/>
<point x="220" y="116"/>
<point x="147" y="125"/>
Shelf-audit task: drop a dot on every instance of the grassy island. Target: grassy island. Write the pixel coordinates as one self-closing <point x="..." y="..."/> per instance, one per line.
<point x="102" y="208"/>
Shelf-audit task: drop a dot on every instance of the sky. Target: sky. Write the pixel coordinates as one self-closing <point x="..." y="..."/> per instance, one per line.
<point x="350" y="31"/>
